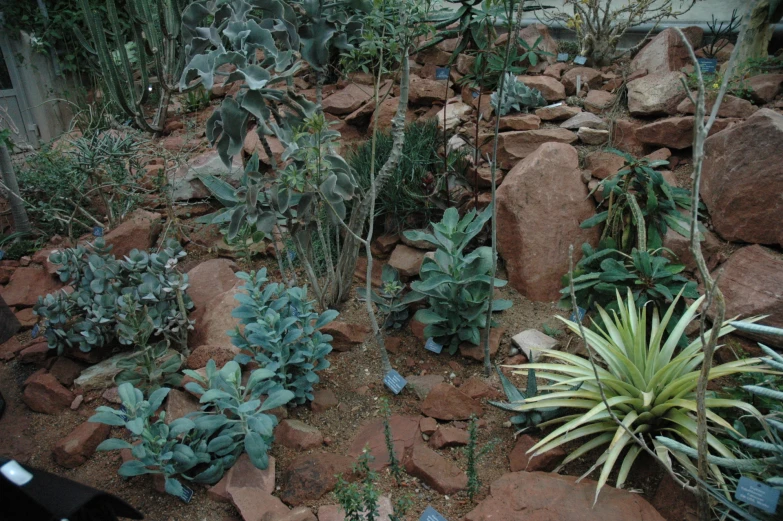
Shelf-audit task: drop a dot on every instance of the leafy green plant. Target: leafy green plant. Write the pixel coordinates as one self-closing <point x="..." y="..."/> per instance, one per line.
<point x="112" y="300"/>
<point x="359" y="501"/>
<point x="531" y="419"/>
<point x="236" y="418"/>
<point x="490" y="64"/>
<point x="457" y="286"/>
<point x="474" y="483"/>
<point x="649" y="276"/>
<point x="551" y="331"/>
<point x="281" y="333"/>
<point x="391" y="302"/>
<point x="151" y="368"/>
<point x="640" y="205"/>
<point x="394" y="463"/>
<point x="721" y="34"/>
<point x="196" y="100"/>
<point x="649" y="386"/>
<point x="516" y="96"/>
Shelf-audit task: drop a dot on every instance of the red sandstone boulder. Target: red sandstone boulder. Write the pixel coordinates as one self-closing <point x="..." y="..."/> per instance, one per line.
<point x="667" y="52"/>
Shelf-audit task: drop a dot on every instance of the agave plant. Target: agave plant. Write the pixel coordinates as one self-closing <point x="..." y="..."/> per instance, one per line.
<point x="516" y="96"/>
<point x="527" y="419"/>
<point x="649" y="386"/>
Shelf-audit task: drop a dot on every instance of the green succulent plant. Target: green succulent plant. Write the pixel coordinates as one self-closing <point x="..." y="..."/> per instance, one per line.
<point x="525" y="420"/>
<point x="649" y="385"/>
<point x="108" y="292"/>
<point x="281" y="333"/>
<point x="391" y="302"/>
<point x="457" y="286"/>
<point x="151" y="367"/>
<point x="516" y="97"/>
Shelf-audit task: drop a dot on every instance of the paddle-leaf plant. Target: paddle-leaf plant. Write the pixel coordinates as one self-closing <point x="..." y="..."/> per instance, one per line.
<point x="649" y="385"/>
<point x="281" y="334"/>
<point x="390" y="300"/>
<point x="456" y="285"/>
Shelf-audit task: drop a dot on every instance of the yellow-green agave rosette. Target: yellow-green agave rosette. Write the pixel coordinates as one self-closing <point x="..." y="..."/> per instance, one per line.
<point x="649" y="384"/>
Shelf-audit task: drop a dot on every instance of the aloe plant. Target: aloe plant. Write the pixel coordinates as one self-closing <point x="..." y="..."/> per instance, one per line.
<point x="457" y="286"/>
<point x="649" y="386"/>
<point x="391" y="302"/>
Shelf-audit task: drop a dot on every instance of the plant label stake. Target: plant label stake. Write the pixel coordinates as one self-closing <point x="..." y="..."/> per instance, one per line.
<point x="291" y="255"/>
<point x="578" y="315"/>
<point x="97" y="231"/>
<point x="432" y="345"/>
<point x="578" y="84"/>
<point x="757" y="494"/>
<point x="394" y="381"/>
<point x="187" y="494"/>
<point x="580" y="60"/>
<point x="562" y="57"/>
<point x="553" y="105"/>
<point x="708" y="65"/>
<point x="35" y="331"/>
<point x="475" y="94"/>
<point x="430" y="514"/>
<point x="441" y="73"/>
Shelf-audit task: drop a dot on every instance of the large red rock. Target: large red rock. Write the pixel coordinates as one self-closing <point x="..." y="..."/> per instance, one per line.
<point x="588" y="77"/>
<point x="557" y="113"/>
<point x="244" y="474"/>
<point x="43" y="393"/>
<point x="550" y="88"/>
<point x="624" y="136"/>
<point x="27" y="284"/>
<point x="446" y="402"/>
<point x="513" y="146"/>
<point x="676" y="132"/>
<point x="10" y="348"/>
<point x="656" y="94"/>
<point x="139" y="232"/>
<point x="446" y="437"/>
<point x="425" y="92"/>
<point x="346" y="335"/>
<point x="348" y="99"/>
<point x="540" y="205"/>
<point x="76" y="448"/>
<point x="713" y="249"/>
<point x="519" y="459"/>
<point x="667" y="52"/>
<point x="406" y="260"/>
<point x="541" y="496"/>
<point x="256" y="505"/>
<point x="752" y="284"/>
<point x="216" y="320"/>
<point x="765" y="87"/>
<point x="405" y="434"/>
<point x="519" y="122"/>
<point x="673" y="502"/>
<point x="309" y="477"/>
<point x="742" y="179"/>
<point x="730" y="107"/>
<point x="208" y="280"/>
<point x="433" y="469"/>
<point x="297" y="435"/>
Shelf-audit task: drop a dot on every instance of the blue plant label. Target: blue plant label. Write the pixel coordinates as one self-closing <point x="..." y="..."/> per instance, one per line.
<point x="757" y="494"/>
<point x="430" y="514"/>
<point x="36" y="330"/>
<point x="97" y="231"/>
<point x="432" y="345"/>
<point x="580" y="60"/>
<point x="562" y="57"/>
<point x="291" y="254"/>
<point x="394" y="381"/>
<point x="2" y="254"/>
<point x="123" y="413"/>
<point x="708" y="65"/>
<point x="187" y="494"/>
<point x="475" y="94"/>
<point x="580" y="311"/>
<point x="441" y="73"/>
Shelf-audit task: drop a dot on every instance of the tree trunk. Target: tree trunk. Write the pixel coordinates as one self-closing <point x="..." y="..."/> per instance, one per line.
<point x="755" y="41"/>
<point x="21" y="222"/>
<point x="9" y="324"/>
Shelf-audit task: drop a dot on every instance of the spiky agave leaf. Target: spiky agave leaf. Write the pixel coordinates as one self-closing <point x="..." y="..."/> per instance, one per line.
<point x="649" y="386"/>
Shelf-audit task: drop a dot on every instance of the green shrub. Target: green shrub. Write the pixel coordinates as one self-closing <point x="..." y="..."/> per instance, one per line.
<point x="456" y="285"/>
<point x="412" y="197"/>
<point x="391" y="303"/>
<point x="112" y="299"/>
<point x="281" y="334"/>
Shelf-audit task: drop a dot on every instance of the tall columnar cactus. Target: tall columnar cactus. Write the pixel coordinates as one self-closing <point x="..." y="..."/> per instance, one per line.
<point x="155" y="33"/>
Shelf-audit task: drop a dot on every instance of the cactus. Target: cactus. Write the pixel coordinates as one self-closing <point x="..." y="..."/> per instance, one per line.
<point x="156" y="45"/>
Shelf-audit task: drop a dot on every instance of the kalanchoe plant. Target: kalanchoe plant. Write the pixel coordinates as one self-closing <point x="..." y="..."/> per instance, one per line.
<point x="281" y="334"/>
<point x="516" y="96"/>
<point x="640" y="205"/>
<point x="525" y="420"/>
<point x="235" y="418"/>
<point x="177" y="450"/>
<point x="390" y="300"/>
<point x="107" y="291"/>
<point x="456" y="285"/>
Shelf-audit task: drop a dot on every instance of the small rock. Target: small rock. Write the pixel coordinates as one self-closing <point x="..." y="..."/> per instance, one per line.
<point x="101" y="375"/>
<point x="448" y="437"/>
<point x="434" y="470"/>
<point x="520" y="459"/>
<point x="476" y="352"/>
<point x="519" y="122"/>
<point x="243" y="474"/>
<point x="557" y="112"/>
<point x="10" y="348"/>
<point x="65" y="370"/>
<point x="297" y="435"/>
<point x="446" y="402"/>
<point x="584" y="119"/>
<point x="406" y="260"/>
<point x="656" y="94"/>
<point x="598" y="101"/>
<point x="532" y="341"/>
<point x="310" y="476"/>
<point x="592" y="136"/>
<point x="37" y="353"/>
<point x="77" y="447"/>
<point x="27" y="284"/>
<point x="428" y="425"/>
<point x="405" y="433"/>
<point x="477" y="389"/>
<point x="323" y="399"/>
<point x="589" y="77"/>
<point x="256" y="505"/>
<point x="77" y="402"/>
<point x="43" y="393"/>
<point x="345" y="335"/>
<point x="347" y="100"/>
<point x="179" y="404"/>
<point x="422" y="385"/>
<point x="550" y="88"/>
